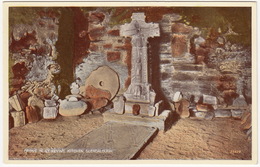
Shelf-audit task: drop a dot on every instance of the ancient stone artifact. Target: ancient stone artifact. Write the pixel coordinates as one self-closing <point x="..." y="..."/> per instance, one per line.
<point x="18" y="118"/>
<point x="16" y="102"/>
<point x="140" y="106"/>
<point x="50" y="111"/>
<point x="140" y="91"/>
<point x="101" y="86"/>
<point x="72" y="105"/>
<point x="31" y="114"/>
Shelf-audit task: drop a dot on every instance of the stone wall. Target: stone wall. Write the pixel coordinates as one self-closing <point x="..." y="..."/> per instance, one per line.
<point x="188" y="60"/>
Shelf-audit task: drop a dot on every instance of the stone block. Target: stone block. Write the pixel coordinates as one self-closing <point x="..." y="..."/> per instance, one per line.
<point x="93" y="47"/>
<point x="222" y="113"/>
<point x="204" y="107"/>
<point x="177" y="97"/>
<point x="237" y="113"/>
<point x="240" y="101"/>
<point x="50" y="103"/>
<point x="204" y="115"/>
<point x="113" y="56"/>
<point x="96" y="33"/>
<point x="119" y="105"/>
<point x="107" y="46"/>
<point x="16" y="102"/>
<point x="31" y="114"/>
<point x="207" y="99"/>
<point x="68" y="108"/>
<point x="97" y="103"/>
<point x="113" y="32"/>
<point x="18" y="118"/>
<point x="50" y="112"/>
<point x="37" y="103"/>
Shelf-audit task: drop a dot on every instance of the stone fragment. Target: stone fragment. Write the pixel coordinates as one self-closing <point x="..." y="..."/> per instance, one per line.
<point x="209" y="116"/>
<point x="177" y="97"/>
<point x="98" y="103"/>
<point x="31" y="114"/>
<point x="204" y="107"/>
<point x="240" y="101"/>
<point x="18" y="117"/>
<point x="68" y="108"/>
<point x="37" y="103"/>
<point x="76" y="96"/>
<point x="200" y="114"/>
<point x="223" y="113"/>
<point x="73" y="99"/>
<point x="119" y="105"/>
<point x="158" y="108"/>
<point x="204" y="115"/>
<point x="179" y="45"/>
<point x="50" y="103"/>
<point x="50" y="112"/>
<point x="237" y="113"/>
<point x="136" y="109"/>
<point x="246" y="122"/>
<point x="75" y="91"/>
<point x="151" y="111"/>
<point x="207" y="99"/>
<point x="104" y="79"/>
<point x="184" y="108"/>
<point x="74" y="85"/>
<point x="16" y="102"/>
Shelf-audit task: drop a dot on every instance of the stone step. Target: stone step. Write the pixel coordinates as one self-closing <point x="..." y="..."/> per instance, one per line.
<point x="188" y="67"/>
<point x="162" y="122"/>
<point x="112" y="141"/>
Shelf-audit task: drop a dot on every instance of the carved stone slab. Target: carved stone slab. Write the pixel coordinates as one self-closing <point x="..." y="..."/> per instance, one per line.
<point x="112" y="141"/>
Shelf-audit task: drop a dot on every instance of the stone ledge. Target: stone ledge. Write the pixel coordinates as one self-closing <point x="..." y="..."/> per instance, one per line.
<point x="162" y="122"/>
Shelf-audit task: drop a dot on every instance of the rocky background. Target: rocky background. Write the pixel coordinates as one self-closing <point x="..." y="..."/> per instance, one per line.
<point x="201" y="51"/>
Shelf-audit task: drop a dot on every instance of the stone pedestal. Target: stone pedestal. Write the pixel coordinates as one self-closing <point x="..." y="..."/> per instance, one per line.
<point x="162" y="122"/>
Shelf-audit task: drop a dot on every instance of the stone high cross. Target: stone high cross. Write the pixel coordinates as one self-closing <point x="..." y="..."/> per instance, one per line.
<point x="140" y="31"/>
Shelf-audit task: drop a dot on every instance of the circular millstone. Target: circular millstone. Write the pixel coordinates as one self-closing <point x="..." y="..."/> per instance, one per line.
<point x="104" y="78"/>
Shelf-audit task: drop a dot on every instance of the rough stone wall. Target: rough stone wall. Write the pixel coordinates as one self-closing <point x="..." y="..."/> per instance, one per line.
<point x="106" y="48"/>
<point x="195" y="65"/>
<point x="33" y="53"/>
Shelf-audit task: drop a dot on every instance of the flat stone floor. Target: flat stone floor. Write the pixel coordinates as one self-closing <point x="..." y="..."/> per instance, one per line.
<point x="112" y="141"/>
